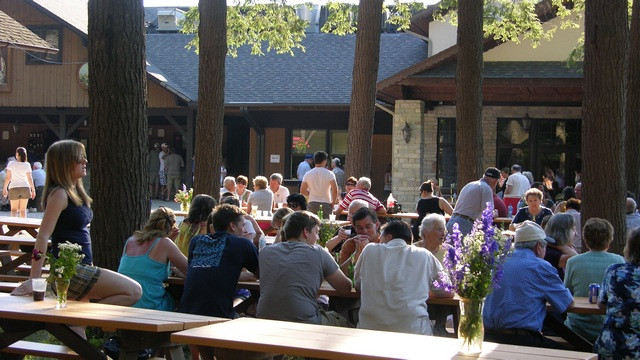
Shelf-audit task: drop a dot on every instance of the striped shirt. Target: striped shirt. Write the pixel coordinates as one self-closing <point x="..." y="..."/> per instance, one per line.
<point x="359" y="194"/>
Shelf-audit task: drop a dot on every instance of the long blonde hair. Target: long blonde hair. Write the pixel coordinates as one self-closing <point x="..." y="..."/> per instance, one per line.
<point x="61" y="158"/>
<point x="160" y="224"/>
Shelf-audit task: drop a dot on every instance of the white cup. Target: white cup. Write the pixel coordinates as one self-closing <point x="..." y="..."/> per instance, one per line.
<point x="332" y="217"/>
<point x="254" y="209"/>
<point x="347" y="231"/>
<point x="280" y="205"/>
<point x="39" y="286"/>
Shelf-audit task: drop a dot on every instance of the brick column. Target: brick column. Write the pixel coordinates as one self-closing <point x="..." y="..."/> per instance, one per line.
<point x="408" y="160"/>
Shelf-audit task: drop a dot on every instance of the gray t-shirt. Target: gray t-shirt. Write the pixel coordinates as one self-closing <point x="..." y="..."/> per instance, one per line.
<point x="262" y="198"/>
<point x="290" y="276"/>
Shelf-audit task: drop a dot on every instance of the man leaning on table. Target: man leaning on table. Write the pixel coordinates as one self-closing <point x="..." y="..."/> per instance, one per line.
<point x="515" y="310"/>
<point x="473" y="200"/>
<point x="395" y="280"/>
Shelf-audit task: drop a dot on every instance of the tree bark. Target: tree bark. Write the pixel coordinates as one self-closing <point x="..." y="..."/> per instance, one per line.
<point x="603" y="115"/>
<point x="363" y="90"/>
<point x="210" y="122"/>
<point x="118" y="126"/>
<point x="469" y="143"/>
<point x="633" y="103"/>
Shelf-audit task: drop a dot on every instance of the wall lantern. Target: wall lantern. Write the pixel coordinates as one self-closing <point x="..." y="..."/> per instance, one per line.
<point x="16" y="127"/>
<point x="406" y="132"/>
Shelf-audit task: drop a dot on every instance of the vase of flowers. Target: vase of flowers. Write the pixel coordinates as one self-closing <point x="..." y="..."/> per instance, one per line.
<point x="184" y="197"/>
<point x="473" y="264"/>
<point x="62" y="269"/>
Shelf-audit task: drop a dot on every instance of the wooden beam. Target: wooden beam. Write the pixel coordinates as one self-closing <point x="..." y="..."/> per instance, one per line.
<point x="75" y="125"/>
<point x="175" y="124"/>
<point x="49" y="124"/>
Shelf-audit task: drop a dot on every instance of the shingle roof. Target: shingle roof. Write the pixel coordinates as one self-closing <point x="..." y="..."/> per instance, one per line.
<point x="14" y="34"/>
<point x="321" y="75"/>
<point x="73" y="13"/>
<point x="510" y="70"/>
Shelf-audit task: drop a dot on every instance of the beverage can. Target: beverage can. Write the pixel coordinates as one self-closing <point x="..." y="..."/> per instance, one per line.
<point x="594" y="292"/>
<point x="510" y="211"/>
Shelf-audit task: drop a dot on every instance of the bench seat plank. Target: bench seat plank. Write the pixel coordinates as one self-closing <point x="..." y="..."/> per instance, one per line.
<point x="43" y="350"/>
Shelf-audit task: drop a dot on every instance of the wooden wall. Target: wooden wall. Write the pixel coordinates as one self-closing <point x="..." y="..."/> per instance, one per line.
<point x="44" y="85"/>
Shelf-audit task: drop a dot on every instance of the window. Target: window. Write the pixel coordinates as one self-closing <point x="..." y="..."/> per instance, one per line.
<point x="308" y="141"/>
<point x="52" y="35"/>
<point x="447" y="151"/>
<point x="4" y="69"/>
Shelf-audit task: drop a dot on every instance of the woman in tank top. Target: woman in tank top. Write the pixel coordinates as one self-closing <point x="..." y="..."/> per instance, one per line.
<point x="148" y="255"/>
<point x="67" y="213"/>
<point x="429" y="204"/>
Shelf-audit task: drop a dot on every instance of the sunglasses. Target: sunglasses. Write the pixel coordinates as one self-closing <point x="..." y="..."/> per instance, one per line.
<point x="291" y="205"/>
<point x="350" y="184"/>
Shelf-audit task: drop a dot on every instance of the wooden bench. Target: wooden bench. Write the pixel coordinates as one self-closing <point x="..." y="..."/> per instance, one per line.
<point x="43" y="350"/>
<point x="8" y="286"/>
<point x="16" y="224"/>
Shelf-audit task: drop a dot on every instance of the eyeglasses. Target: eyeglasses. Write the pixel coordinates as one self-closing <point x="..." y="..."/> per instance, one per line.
<point x="292" y="205"/>
<point x="350" y="184"/>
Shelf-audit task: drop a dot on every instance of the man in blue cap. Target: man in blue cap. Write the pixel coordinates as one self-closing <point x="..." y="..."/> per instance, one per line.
<point x="303" y="167"/>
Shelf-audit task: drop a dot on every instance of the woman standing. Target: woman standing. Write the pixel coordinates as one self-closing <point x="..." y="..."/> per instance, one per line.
<point x="147" y="256"/>
<point x="67" y="213"/>
<point x="429" y="204"/>
<point x="619" y="338"/>
<point x="18" y="184"/>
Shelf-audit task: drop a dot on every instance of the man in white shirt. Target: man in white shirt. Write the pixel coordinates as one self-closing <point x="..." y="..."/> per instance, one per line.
<point x="319" y="185"/>
<point x="517" y="185"/>
<point x="280" y="192"/>
<point x="395" y="280"/>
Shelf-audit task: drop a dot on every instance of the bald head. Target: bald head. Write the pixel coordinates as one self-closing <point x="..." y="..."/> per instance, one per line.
<point x="631" y="206"/>
<point x="355" y="206"/>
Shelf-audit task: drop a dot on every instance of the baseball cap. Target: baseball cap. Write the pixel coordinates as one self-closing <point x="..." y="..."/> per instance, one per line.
<point x="308" y="156"/>
<point x="164" y="145"/>
<point x="492" y="172"/>
<point x="531" y="231"/>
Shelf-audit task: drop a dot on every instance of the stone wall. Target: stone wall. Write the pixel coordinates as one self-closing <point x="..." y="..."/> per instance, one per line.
<point x="416" y="161"/>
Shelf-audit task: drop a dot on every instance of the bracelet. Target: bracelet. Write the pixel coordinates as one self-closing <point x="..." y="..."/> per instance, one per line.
<point x="37" y="255"/>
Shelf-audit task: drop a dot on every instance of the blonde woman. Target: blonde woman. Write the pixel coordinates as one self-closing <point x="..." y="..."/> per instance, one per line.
<point x="146" y="258"/>
<point x="18" y="185"/>
<point x="261" y="196"/>
<point x="67" y="212"/>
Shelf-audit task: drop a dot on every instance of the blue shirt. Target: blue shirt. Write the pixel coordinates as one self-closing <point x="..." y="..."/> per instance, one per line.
<point x="527" y="285"/>
<point x="215" y="262"/>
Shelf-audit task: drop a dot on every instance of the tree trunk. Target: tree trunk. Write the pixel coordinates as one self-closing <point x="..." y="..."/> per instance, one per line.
<point x="118" y="126"/>
<point x="210" y="123"/>
<point x="363" y="90"/>
<point x="469" y="144"/>
<point x="603" y="117"/>
<point x="633" y="103"/>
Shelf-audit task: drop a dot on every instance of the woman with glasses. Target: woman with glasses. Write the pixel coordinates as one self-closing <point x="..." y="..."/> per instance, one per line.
<point x="147" y="256"/>
<point x="349" y="185"/>
<point x="67" y="213"/>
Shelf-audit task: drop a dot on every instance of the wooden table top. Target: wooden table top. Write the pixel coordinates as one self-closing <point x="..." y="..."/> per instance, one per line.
<point x="403" y="215"/>
<point x="99" y="315"/>
<point x="33" y="223"/>
<point x="17" y="240"/>
<point x="329" y="342"/>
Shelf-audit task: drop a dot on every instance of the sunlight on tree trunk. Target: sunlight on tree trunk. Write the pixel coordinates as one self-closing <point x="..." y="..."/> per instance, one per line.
<point x="210" y="121"/>
<point x="633" y="103"/>
<point x="363" y="93"/>
<point x="603" y="124"/>
<point x="118" y="126"/>
<point x="469" y="144"/>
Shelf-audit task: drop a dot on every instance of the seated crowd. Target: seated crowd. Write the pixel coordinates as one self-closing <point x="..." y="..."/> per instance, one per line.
<point x="393" y="267"/>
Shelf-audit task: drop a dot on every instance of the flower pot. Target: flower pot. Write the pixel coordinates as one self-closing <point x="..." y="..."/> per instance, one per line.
<point x="471" y="327"/>
<point x="62" y="287"/>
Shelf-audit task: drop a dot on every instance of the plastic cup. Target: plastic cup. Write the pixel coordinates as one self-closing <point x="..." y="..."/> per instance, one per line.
<point x="254" y="209"/>
<point x="39" y="286"/>
<point x="280" y="205"/>
<point x="347" y="231"/>
<point x="332" y="217"/>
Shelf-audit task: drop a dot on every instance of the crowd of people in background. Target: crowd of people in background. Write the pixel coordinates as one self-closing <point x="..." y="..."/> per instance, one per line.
<point x="389" y="262"/>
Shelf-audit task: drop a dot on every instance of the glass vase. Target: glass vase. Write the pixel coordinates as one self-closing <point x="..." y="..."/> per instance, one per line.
<point x="62" y="288"/>
<point x="471" y="327"/>
<point x="184" y="206"/>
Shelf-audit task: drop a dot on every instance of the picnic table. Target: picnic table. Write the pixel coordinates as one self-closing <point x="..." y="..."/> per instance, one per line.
<point x="12" y="245"/>
<point x="317" y="341"/>
<point x="136" y="328"/>
<point x="17" y="224"/>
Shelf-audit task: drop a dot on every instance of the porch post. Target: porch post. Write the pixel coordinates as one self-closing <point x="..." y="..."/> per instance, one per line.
<point x="408" y="162"/>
